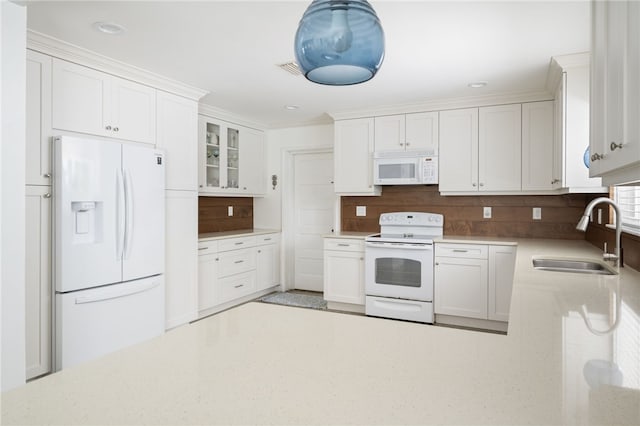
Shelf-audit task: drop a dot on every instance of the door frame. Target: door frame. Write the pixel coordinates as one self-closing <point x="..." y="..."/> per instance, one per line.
<point x="288" y="205"/>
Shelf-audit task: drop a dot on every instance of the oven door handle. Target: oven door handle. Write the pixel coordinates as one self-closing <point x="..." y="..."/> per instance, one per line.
<point x="403" y="246"/>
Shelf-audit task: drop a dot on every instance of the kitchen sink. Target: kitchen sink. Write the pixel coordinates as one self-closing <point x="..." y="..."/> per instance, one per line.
<point x="573" y="265"/>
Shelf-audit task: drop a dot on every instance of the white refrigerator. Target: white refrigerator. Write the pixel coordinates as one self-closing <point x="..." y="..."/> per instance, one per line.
<point x="109" y="247"/>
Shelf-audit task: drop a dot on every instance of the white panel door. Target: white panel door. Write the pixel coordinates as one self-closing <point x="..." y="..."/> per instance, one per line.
<point x="177" y="136"/>
<point x="421" y="131"/>
<point x="499" y="148"/>
<point x="502" y="262"/>
<point x="181" y="268"/>
<point x="86" y="188"/>
<point x="38" y="91"/>
<point x="314" y="203"/>
<point x="537" y="146"/>
<point x="81" y="99"/>
<point x="353" y="151"/>
<point x="461" y="287"/>
<point x="458" y="169"/>
<point x="143" y="170"/>
<point x="252" y="162"/>
<point x="38" y="280"/>
<point x="389" y="133"/>
<point x="133" y="114"/>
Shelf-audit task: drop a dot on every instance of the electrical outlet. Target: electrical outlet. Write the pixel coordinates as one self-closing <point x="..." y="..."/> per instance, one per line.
<point x="537" y="213"/>
<point x="486" y="212"/>
<point x="230" y="211"/>
<point x="361" y="210"/>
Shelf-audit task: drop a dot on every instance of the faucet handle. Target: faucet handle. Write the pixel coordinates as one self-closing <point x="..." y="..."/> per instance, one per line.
<point x="605" y="247"/>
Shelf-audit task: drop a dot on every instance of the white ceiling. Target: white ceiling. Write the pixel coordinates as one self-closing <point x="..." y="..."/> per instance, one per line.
<point x="433" y="49"/>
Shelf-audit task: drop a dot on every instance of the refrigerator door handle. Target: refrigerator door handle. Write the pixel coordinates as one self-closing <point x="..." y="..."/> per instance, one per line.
<point x="114" y="294"/>
<point x="120" y="214"/>
<point x="128" y="193"/>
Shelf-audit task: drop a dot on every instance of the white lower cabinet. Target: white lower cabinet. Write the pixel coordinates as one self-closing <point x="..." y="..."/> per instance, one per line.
<point x="473" y="281"/>
<point x="38" y="286"/>
<point x="344" y="271"/>
<point x="181" y="262"/>
<point x="237" y="269"/>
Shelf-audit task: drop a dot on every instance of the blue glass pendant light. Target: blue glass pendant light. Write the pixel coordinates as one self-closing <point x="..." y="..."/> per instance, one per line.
<point x="339" y="42"/>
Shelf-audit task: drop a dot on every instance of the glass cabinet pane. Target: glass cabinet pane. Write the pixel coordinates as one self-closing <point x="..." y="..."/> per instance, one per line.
<point x="233" y="157"/>
<point x="213" y="155"/>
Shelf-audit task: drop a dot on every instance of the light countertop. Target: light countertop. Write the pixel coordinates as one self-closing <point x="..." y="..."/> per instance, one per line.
<point x="211" y="236"/>
<point x="349" y="235"/>
<point x="267" y="364"/>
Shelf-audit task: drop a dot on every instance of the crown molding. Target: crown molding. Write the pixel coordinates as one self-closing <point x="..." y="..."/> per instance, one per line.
<point x="224" y="115"/>
<point x="79" y="55"/>
<point x="445" y="104"/>
<point x="562" y="63"/>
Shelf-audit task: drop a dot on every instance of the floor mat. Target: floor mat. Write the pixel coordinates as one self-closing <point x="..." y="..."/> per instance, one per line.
<point x="296" y="299"/>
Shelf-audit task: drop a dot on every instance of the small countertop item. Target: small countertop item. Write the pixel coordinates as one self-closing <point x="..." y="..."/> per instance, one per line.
<point x="260" y="363"/>
<point x="210" y="236"/>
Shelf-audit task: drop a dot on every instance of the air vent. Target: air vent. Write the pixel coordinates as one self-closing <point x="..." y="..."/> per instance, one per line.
<point x="291" y="68"/>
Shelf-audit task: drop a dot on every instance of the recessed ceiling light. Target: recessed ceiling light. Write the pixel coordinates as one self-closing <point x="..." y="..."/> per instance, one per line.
<point x="477" y="84"/>
<point x="291" y="107"/>
<point x="108" y="27"/>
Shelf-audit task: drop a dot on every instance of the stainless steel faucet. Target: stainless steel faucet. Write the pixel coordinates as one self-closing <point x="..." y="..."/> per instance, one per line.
<point x="584" y="221"/>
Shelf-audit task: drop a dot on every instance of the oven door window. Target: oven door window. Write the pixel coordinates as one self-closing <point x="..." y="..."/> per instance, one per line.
<point x="397" y="171"/>
<point x="398" y="271"/>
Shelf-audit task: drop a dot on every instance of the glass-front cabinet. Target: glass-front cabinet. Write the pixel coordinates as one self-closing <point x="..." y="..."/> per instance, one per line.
<point x="231" y="159"/>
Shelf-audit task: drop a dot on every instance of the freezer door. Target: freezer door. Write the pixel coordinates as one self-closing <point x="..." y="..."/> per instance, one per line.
<point x="91" y="323"/>
<point x="143" y="170"/>
<point x="87" y="185"/>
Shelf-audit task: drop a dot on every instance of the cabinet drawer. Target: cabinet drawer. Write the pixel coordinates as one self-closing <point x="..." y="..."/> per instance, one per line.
<point x="343" y="244"/>
<point x="236" y="286"/>
<point x="471" y="251"/>
<point x="236" y="261"/>
<point x="236" y="243"/>
<point x="267" y="239"/>
<point x="207" y="247"/>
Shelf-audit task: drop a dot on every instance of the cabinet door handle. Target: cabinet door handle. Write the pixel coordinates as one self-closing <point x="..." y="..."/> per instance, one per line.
<point x="459" y="251"/>
<point x="202" y="248"/>
<point x="108" y="128"/>
<point x="259" y="251"/>
<point x="481" y="184"/>
<point x="555" y="181"/>
<point x="238" y="286"/>
<point x="615" y="146"/>
<point x="407" y="144"/>
<point x="473" y="184"/>
<point x="267" y="239"/>
<point x="115" y="129"/>
<point x="240" y="243"/>
<point x="238" y="261"/>
<point x="343" y="245"/>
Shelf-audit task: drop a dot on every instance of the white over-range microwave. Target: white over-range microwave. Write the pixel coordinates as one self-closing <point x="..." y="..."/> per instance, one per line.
<point x="405" y="168"/>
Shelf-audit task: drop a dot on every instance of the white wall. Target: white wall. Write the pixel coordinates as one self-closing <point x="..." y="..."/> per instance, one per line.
<point x="267" y="211"/>
<point x="13" y="19"/>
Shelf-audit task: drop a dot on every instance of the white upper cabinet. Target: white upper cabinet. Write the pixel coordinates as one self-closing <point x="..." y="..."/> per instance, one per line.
<point x="499" y="153"/>
<point x="353" y="157"/>
<point x="537" y="146"/>
<point x="458" y="169"/>
<point x="414" y="132"/>
<point x="571" y="126"/>
<point x="480" y="149"/>
<point x="615" y="91"/>
<point x="88" y="101"/>
<point x="177" y="135"/>
<point x="38" y="102"/>
<point x="231" y="159"/>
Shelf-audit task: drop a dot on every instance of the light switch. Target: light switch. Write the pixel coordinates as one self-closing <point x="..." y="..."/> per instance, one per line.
<point x="486" y="212"/>
<point x="361" y="210"/>
<point x="537" y="213"/>
<point x="230" y="211"/>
